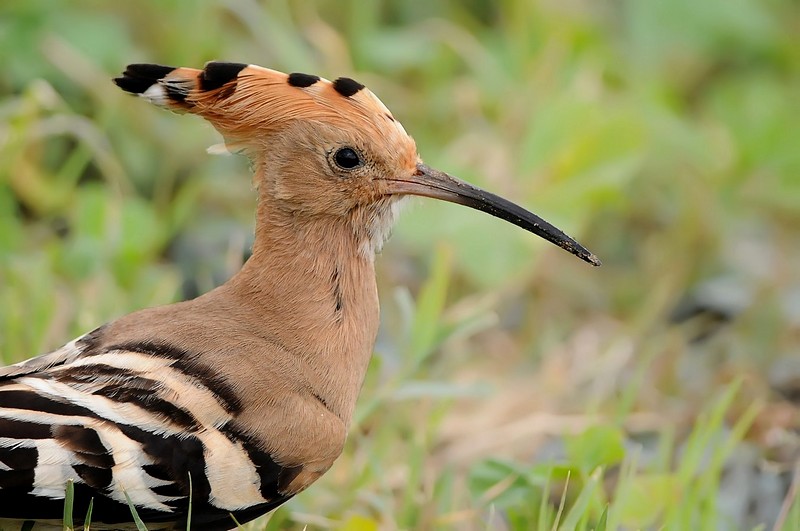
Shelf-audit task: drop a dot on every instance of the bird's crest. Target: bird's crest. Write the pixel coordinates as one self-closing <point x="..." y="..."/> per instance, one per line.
<point x="248" y="102"/>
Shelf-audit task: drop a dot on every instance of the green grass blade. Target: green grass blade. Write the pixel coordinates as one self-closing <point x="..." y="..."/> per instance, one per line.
<point x="69" y="501"/>
<point x="87" y="522"/>
<point x="189" y="515"/>
<point x="235" y="521"/>
<point x="28" y="525"/>
<point x="561" y="504"/>
<point x="603" y="522"/>
<point x="581" y="505"/>
<point x="138" y="521"/>
<point x="544" y="503"/>
<point x="544" y="514"/>
<point x="430" y="304"/>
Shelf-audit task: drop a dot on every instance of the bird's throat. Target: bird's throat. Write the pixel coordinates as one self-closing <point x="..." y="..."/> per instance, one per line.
<point x="310" y="286"/>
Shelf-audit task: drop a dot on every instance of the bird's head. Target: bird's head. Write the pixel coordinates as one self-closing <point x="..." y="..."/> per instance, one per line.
<point x="321" y="149"/>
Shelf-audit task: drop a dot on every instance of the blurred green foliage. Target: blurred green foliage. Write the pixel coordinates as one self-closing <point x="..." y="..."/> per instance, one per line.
<point x="663" y="134"/>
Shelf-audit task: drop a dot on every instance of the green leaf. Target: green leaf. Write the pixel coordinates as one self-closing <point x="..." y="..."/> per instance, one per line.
<point x="597" y="446"/>
<point x="642" y="498"/>
<point x="581" y="506"/>
<point x="138" y="521"/>
<point x="603" y="522"/>
<point x="562" y="502"/>
<point x="358" y="522"/>
<point x="87" y="522"/>
<point x="430" y="303"/>
<point x="69" y="501"/>
<point x="189" y="514"/>
<point x="235" y="521"/>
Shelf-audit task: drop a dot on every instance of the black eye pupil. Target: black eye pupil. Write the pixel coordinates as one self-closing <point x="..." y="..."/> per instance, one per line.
<point x="347" y="158"/>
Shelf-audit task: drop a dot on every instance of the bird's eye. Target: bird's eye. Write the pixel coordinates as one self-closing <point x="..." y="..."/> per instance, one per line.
<point x="347" y="158"/>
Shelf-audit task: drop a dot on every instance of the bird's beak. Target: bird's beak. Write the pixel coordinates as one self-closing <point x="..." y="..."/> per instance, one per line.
<point x="429" y="182"/>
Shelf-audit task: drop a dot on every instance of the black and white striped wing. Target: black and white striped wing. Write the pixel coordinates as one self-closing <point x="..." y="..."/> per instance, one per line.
<point x="138" y="419"/>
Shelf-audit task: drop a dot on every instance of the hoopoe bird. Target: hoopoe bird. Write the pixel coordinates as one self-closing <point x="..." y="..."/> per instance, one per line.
<point x="242" y="396"/>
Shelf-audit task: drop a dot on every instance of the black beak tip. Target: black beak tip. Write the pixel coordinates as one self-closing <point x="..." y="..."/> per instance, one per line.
<point x="582" y="252"/>
<point x="585" y="255"/>
<point x="592" y="259"/>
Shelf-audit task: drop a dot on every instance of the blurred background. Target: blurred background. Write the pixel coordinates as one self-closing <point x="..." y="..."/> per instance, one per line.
<point x="513" y="386"/>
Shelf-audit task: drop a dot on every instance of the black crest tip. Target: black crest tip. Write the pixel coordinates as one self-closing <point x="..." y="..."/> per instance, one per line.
<point x="217" y="73"/>
<point x="299" y="80"/>
<point x="147" y="71"/>
<point x="138" y="77"/>
<point x="132" y="85"/>
<point x="346" y="86"/>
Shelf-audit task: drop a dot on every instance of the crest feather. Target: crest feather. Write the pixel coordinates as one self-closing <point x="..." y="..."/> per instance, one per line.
<point x="247" y="102"/>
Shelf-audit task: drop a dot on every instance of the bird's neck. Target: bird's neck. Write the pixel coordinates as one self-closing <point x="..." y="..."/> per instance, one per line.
<point x="310" y="287"/>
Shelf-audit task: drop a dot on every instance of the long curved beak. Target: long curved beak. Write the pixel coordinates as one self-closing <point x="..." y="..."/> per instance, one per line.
<point x="429" y="182"/>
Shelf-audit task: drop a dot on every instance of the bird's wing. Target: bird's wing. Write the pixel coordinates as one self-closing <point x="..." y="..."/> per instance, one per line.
<point x="139" y="420"/>
<point x="64" y="355"/>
